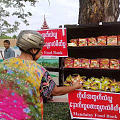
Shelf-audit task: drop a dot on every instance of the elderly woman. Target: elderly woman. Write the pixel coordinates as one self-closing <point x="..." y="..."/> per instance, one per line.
<point x="24" y="83"/>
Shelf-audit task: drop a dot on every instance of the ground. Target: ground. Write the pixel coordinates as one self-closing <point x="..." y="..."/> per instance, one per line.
<point x="56" y="111"/>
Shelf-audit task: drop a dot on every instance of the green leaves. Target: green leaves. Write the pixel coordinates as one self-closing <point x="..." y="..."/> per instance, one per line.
<point x="6" y="27"/>
<point x="13" y="8"/>
<point x="30" y="14"/>
<point x="4" y="37"/>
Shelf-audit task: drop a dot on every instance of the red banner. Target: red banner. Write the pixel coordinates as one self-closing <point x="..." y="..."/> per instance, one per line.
<point x="94" y="105"/>
<point x="55" y="42"/>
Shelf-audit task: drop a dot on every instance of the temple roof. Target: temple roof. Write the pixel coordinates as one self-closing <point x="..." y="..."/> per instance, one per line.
<point x="45" y="26"/>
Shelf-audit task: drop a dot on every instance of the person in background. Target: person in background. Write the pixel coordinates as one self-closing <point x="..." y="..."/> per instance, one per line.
<point x="8" y="52"/>
<point x="24" y="83"/>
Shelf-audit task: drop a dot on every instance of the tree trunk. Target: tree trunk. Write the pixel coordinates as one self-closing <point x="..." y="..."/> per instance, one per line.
<point x="95" y="11"/>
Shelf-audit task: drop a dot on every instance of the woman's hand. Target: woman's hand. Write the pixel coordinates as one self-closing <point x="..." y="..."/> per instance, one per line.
<point x="78" y="84"/>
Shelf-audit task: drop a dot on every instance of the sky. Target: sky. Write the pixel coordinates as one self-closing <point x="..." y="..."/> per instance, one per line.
<point x="59" y="12"/>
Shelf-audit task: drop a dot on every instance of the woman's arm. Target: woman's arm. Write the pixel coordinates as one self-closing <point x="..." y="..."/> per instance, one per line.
<point x="48" y="87"/>
<point x="65" y="89"/>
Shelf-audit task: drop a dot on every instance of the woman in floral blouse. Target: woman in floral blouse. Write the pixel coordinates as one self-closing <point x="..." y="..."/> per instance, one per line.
<point x="24" y="83"/>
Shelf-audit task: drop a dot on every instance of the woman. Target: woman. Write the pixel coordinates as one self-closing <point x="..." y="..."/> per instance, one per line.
<point x="24" y="83"/>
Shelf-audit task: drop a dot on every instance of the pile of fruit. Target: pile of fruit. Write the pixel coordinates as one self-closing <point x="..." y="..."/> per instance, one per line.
<point x="71" y="79"/>
<point x="100" y="84"/>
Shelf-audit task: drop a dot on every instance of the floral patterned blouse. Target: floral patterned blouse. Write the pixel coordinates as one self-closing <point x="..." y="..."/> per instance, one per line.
<point x="23" y="84"/>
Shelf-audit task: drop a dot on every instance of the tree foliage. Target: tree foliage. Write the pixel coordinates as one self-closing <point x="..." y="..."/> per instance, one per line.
<point x="5" y="37"/>
<point x="13" y="8"/>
